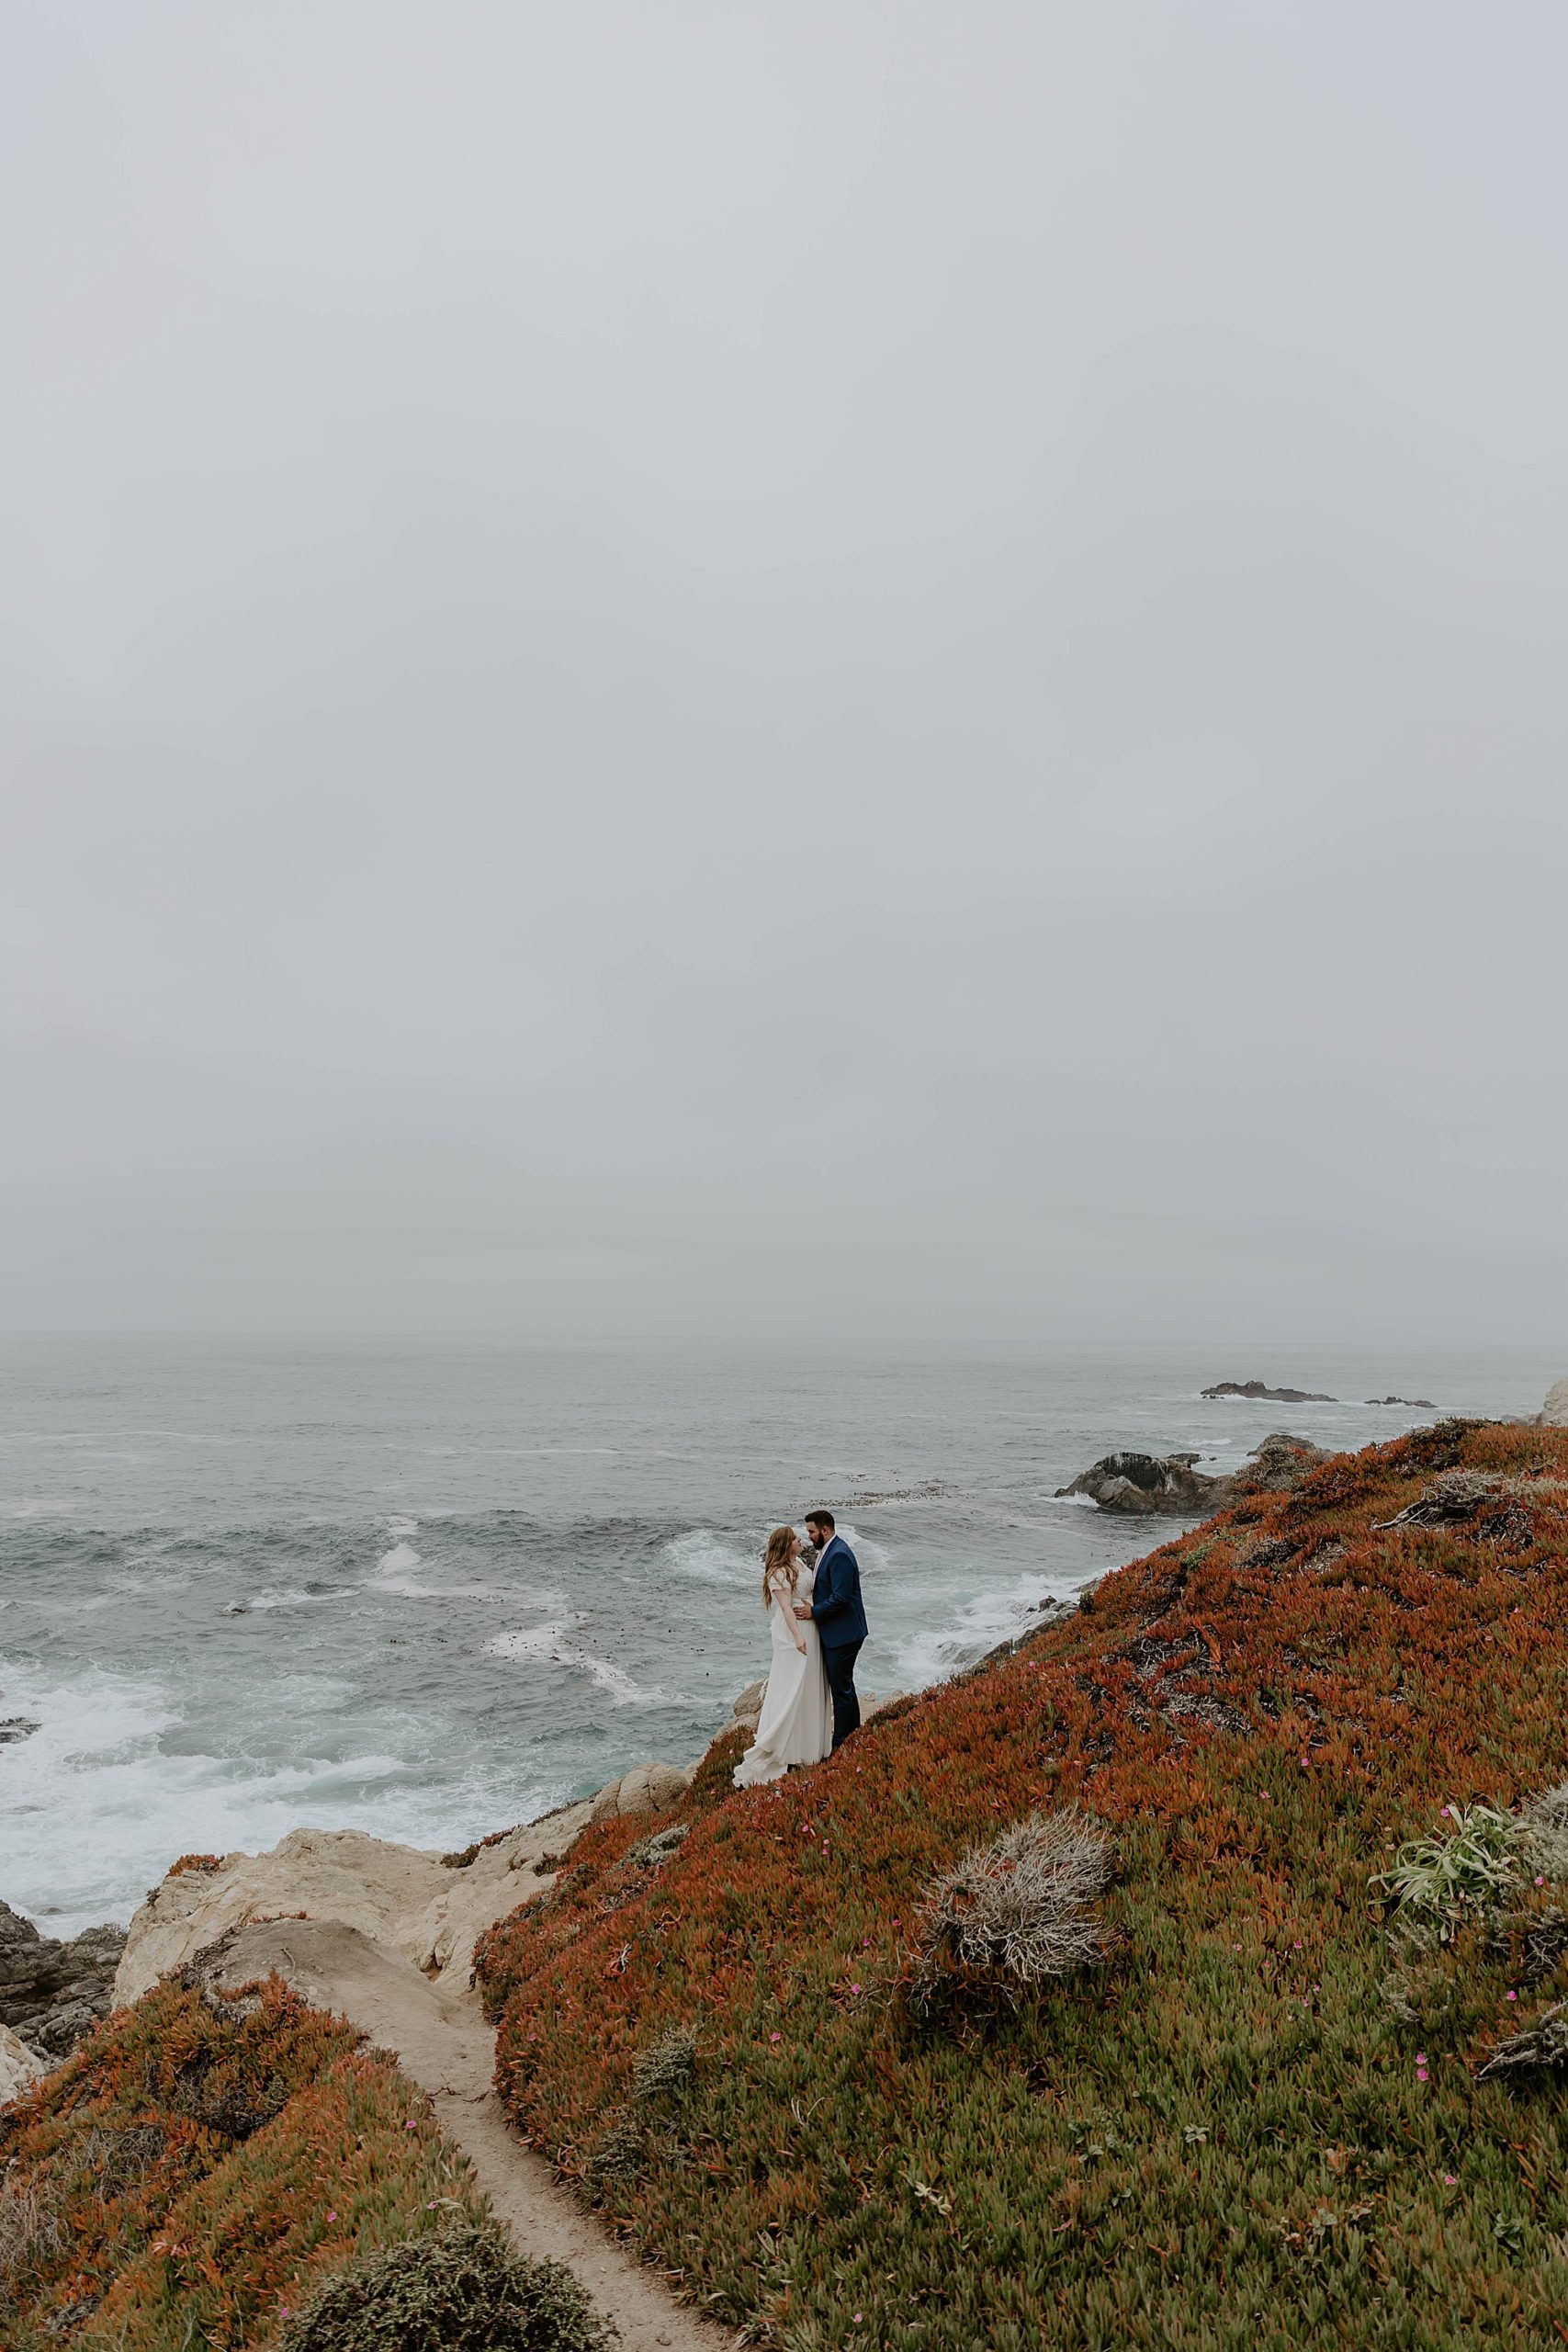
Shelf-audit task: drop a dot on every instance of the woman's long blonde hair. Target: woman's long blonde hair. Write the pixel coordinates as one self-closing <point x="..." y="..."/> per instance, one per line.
<point x="775" y="1561"/>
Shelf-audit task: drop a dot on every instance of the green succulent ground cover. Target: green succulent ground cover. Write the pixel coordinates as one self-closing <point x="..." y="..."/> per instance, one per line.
<point x="1258" y="2124"/>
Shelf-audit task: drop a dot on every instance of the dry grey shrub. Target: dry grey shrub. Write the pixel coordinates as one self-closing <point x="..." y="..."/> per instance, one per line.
<point x="1010" y="1914"/>
<point x="1447" y="1501"/>
<point x="463" y="2291"/>
<point x="1544" y="1843"/>
<point x="1541" y="2045"/>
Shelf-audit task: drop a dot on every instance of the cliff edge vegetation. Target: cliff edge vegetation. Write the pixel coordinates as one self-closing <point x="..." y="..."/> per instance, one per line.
<point x="1305" y="2085"/>
<point x="202" y="2163"/>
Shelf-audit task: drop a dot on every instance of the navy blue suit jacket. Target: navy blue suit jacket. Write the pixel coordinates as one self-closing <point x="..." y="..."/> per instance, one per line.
<point x="835" y="1599"/>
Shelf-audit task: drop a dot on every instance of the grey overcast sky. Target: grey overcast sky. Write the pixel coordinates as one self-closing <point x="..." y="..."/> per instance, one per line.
<point x="850" y="666"/>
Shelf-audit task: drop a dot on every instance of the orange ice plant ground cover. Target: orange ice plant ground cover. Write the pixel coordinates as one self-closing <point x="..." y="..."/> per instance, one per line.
<point x="193" y="2169"/>
<point x="1250" y="2128"/>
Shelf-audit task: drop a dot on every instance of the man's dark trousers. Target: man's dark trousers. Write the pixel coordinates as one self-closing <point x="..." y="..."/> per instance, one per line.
<point x="839" y="1664"/>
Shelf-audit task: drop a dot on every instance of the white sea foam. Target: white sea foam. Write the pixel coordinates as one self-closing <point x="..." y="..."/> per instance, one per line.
<point x="975" y="1626"/>
<point x="709" y="1558"/>
<point x="116" y="1781"/>
<point x="290" y="1597"/>
<point x="136" y="1582"/>
<point x="550" y="1642"/>
<point x="394" y="1571"/>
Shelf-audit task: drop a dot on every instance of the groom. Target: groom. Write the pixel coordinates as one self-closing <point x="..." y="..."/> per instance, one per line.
<point x="840" y="1618"/>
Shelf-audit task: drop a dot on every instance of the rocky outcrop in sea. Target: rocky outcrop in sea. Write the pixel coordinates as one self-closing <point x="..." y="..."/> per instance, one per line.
<point x="1259" y="1393"/>
<point x="1168" y="1485"/>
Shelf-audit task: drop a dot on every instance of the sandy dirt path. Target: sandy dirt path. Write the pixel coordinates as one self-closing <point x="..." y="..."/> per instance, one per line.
<point x="439" y="2037"/>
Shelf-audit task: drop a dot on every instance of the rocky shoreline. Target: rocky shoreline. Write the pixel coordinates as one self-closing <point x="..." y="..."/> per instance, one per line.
<point x="429" y="1909"/>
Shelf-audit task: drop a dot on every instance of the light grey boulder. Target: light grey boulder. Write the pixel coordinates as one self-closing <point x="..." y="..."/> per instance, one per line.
<point x="1554" y="1412"/>
<point x="647" y="1788"/>
<point x="20" y="2067"/>
<point x="747" y="1711"/>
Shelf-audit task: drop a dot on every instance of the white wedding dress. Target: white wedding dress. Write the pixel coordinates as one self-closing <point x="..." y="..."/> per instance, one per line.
<point x="797" y="1707"/>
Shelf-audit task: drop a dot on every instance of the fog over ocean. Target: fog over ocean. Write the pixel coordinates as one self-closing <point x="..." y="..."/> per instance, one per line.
<point x="429" y="1590"/>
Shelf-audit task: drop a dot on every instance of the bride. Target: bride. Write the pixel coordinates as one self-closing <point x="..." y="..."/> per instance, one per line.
<point x="798" y="1708"/>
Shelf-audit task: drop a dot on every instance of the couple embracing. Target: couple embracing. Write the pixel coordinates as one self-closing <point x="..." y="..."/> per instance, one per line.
<point x="818" y="1625"/>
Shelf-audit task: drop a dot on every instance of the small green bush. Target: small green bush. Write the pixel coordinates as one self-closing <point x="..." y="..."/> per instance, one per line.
<point x="618" y="2153"/>
<point x="464" y="2290"/>
<point x="666" y="2067"/>
<point x="648" y="1853"/>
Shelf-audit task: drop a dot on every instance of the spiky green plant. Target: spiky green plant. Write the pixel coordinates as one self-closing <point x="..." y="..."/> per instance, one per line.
<point x="1433" y="1883"/>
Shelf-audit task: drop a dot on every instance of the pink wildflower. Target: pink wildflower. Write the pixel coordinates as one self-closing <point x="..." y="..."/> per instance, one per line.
<point x="775" y="2037"/>
<point x="1511" y="1996"/>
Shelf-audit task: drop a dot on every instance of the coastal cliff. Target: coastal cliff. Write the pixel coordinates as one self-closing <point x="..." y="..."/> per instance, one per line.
<point x="1259" y="2102"/>
<point x="1269" y="2084"/>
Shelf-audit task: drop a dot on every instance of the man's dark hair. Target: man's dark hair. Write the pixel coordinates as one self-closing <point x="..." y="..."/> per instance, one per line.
<point x="821" y="1516"/>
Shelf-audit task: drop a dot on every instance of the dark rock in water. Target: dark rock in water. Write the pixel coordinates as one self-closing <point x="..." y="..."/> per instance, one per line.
<point x="1147" y="1485"/>
<point x="14" y="1727"/>
<point x="1151" y="1486"/>
<point x="1418" y="1404"/>
<point x="53" y="1993"/>
<point x="1256" y="1389"/>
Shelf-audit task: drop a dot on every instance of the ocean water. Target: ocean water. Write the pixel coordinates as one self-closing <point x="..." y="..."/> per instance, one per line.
<point x="429" y="1590"/>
